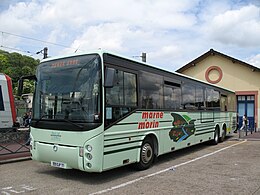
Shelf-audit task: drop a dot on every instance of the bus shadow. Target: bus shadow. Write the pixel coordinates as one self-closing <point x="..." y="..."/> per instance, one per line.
<point x="89" y="178"/>
<point x="121" y="172"/>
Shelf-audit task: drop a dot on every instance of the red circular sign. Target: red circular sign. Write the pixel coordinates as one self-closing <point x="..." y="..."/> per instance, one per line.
<point x="213" y="68"/>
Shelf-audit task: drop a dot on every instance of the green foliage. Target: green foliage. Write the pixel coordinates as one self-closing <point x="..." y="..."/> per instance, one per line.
<point x="16" y="65"/>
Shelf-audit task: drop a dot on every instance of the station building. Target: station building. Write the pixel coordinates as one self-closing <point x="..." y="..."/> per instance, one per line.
<point x="225" y="71"/>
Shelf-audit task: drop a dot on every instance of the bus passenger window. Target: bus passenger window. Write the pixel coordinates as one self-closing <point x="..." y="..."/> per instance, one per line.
<point x="212" y="99"/>
<point x="151" y="90"/>
<point x="223" y="102"/>
<point x="188" y="96"/>
<point x="122" y="97"/>
<point x="114" y="95"/>
<point x="172" y="96"/>
<point x="199" y="99"/>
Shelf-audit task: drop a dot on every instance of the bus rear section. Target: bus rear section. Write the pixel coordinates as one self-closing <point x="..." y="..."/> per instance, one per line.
<point x="7" y="106"/>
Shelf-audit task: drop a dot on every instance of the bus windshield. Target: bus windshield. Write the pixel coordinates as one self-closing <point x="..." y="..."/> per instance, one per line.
<point x="68" y="90"/>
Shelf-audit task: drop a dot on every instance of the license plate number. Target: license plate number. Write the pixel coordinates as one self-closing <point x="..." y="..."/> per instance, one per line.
<point x="58" y="164"/>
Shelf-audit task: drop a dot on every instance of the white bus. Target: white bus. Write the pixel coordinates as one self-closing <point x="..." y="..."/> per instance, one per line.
<point x="98" y="111"/>
<point x="7" y="106"/>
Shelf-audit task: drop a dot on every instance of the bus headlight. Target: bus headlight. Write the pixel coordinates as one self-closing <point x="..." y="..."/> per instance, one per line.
<point x="89" y="148"/>
<point x="89" y="156"/>
<point x="89" y="165"/>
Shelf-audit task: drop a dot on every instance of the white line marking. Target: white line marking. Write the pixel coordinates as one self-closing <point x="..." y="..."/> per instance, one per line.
<point x="164" y="170"/>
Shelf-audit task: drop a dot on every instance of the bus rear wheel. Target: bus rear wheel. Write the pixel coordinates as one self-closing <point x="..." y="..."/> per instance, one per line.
<point x="216" y="137"/>
<point x="223" y="136"/>
<point x="146" y="155"/>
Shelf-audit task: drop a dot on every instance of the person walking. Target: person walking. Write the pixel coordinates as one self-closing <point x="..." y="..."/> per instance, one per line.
<point x="244" y="125"/>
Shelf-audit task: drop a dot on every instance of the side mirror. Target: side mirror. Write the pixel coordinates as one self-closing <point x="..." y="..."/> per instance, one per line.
<point x="20" y="87"/>
<point x="109" y="77"/>
<point x="20" y="83"/>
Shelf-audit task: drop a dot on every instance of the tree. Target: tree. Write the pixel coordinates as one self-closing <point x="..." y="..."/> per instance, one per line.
<point x="16" y="65"/>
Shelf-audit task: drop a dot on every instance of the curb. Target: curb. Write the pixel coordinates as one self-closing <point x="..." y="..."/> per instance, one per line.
<point x="15" y="160"/>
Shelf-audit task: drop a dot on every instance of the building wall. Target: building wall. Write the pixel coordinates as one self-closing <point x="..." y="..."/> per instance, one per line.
<point x="231" y="75"/>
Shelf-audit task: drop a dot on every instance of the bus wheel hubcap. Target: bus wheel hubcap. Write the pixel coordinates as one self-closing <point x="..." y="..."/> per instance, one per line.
<point x="147" y="153"/>
<point x="216" y="136"/>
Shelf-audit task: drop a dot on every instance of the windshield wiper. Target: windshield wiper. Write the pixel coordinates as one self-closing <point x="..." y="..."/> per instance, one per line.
<point x="66" y="120"/>
<point x="37" y="120"/>
<point x="70" y="122"/>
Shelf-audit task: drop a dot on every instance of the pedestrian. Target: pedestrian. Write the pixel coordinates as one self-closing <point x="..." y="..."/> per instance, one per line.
<point x="244" y="123"/>
<point x="25" y="118"/>
<point x="28" y="119"/>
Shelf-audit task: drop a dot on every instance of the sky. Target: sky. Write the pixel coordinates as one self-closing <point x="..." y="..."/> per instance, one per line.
<point x="172" y="33"/>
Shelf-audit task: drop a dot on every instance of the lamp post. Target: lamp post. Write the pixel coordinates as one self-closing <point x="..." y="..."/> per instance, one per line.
<point x="143" y="56"/>
<point x="45" y="52"/>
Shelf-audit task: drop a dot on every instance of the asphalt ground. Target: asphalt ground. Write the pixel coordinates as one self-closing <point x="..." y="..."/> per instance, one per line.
<point x="231" y="167"/>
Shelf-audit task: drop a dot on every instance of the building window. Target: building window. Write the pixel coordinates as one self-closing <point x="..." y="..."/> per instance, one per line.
<point x="241" y="98"/>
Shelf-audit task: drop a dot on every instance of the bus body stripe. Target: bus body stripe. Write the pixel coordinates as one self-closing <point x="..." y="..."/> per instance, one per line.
<point x="11" y="97"/>
<point x="121" y="150"/>
<point x="204" y="133"/>
<point x="123" y="143"/>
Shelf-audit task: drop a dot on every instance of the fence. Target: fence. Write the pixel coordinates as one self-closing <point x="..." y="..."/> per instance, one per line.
<point x="13" y="144"/>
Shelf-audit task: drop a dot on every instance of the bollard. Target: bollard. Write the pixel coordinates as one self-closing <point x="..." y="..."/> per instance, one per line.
<point x="239" y="133"/>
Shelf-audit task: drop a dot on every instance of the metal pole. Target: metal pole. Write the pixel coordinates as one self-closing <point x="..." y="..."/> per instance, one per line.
<point x="45" y="52"/>
<point x="143" y="56"/>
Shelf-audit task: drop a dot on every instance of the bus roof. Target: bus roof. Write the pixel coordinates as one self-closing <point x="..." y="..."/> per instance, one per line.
<point x="101" y="52"/>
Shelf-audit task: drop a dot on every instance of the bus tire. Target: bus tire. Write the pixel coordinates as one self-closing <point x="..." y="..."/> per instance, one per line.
<point x="223" y="136"/>
<point x="216" y="136"/>
<point x="146" y="154"/>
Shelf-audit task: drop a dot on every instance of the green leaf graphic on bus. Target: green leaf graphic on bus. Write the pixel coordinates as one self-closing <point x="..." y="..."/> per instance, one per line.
<point x="183" y="127"/>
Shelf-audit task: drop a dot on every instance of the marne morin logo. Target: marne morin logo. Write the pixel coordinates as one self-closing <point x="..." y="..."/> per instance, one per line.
<point x="147" y="123"/>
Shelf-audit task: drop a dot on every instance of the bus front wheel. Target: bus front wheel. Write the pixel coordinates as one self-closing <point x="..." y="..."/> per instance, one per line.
<point x="146" y="154"/>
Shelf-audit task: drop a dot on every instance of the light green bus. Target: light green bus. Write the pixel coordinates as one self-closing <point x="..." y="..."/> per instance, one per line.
<point x="98" y="111"/>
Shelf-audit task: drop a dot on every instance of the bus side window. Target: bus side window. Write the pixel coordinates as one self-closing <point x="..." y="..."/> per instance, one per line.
<point x="121" y="98"/>
<point x="223" y="102"/>
<point x="212" y="99"/>
<point x="199" y="98"/>
<point x="188" y="96"/>
<point x="151" y="90"/>
<point x="172" y="94"/>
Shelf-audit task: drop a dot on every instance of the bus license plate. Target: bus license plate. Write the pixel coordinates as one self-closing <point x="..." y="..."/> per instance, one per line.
<point x="58" y="164"/>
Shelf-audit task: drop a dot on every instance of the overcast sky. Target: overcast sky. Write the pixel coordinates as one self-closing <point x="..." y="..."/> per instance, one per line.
<point x="171" y="32"/>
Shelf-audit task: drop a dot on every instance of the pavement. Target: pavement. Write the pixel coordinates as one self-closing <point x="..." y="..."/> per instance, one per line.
<point x="229" y="168"/>
<point x="250" y="136"/>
